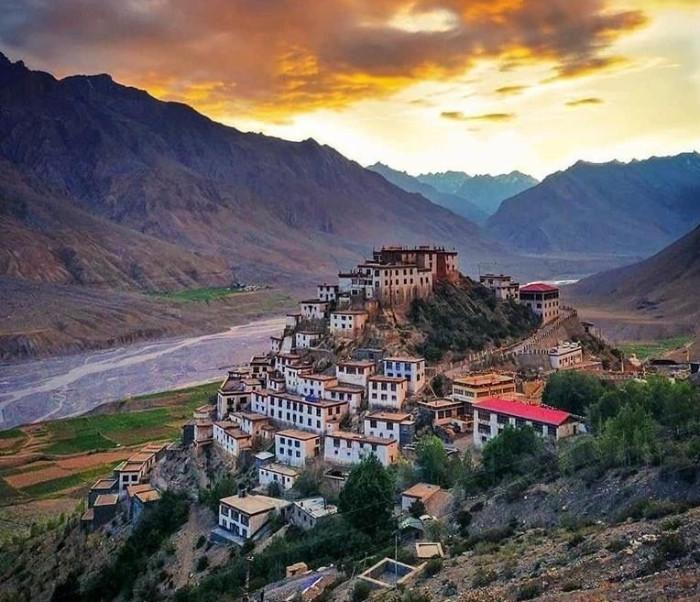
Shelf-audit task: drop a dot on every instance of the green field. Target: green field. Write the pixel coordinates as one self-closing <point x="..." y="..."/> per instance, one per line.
<point x="86" y="477"/>
<point x="657" y="348"/>
<point x="199" y="295"/>
<point x="107" y="431"/>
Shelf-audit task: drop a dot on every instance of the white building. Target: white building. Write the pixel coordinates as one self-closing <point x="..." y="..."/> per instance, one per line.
<point x="295" y="448"/>
<point x="386" y="391"/>
<point x="387" y="425"/>
<point x="307" y="512"/>
<point x="305" y="339"/>
<point x="348" y="322"/>
<point x="503" y="287"/>
<point x="284" y="476"/>
<point x="353" y="394"/>
<point x="314" y="385"/>
<point x="230" y="438"/>
<point x="327" y="292"/>
<point x="355" y="372"/>
<point x="343" y="447"/>
<point x="250" y="423"/>
<point x="541" y="298"/>
<point x="565" y="355"/>
<point x="313" y="309"/>
<point x="292" y="375"/>
<point x="410" y="368"/>
<point x="491" y="416"/>
<point x="319" y="416"/>
<point x="234" y="392"/>
<point x="246" y="516"/>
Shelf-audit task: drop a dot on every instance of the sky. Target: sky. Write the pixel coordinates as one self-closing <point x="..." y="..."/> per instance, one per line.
<point x="482" y="86"/>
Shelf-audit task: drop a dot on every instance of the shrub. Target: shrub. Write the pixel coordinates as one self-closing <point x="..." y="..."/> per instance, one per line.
<point x="528" y="591"/>
<point x="571" y="586"/>
<point x="671" y="524"/>
<point x="200" y="542"/>
<point x="202" y="564"/>
<point x="617" y="545"/>
<point x="360" y="591"/>
<point x="671" y="547"/>
<point x="433" y="566"/>
<point x="575" y="540"/>
<point x="483" y="577"/>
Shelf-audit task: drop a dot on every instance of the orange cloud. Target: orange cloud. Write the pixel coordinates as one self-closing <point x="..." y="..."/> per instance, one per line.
<point x="584" y="101"/>
<point x="495" y="117"/>
<point x="272" y="60"/>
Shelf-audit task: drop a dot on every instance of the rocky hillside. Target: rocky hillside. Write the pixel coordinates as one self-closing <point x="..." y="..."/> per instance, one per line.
<point x="87" y="158"/>
<point x="632" y="209"/>
<point x="458" y="204"/>
<point x="485" y="191"/>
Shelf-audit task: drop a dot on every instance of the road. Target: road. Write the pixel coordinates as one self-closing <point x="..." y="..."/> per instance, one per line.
<point x="70" y="385"/>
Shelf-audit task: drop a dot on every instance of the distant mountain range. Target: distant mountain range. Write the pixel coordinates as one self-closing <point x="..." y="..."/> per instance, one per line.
<point x="632" y="209"/>
<point x="103" y="184"/>
<point x="460" y="205"/>
<point x="485" y="191"/>
<point x="664" y="286"/>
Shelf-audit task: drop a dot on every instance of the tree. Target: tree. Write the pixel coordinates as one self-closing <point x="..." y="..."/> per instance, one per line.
<point x="367" y="497"/>
<point x="432" y="460"/>
<point x="438" y="384"/>
<point x="417" y="509"/>
<point x="629" y="438"/>
<point x="572" y="391"/>
<point x="512" y="452"/>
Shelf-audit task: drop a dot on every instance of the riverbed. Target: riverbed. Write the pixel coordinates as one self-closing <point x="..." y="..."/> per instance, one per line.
<point x="59" y="387"/>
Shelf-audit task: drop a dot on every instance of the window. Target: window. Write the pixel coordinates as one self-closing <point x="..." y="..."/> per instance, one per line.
<point x="484" y="429"/>
<point x="373" y="424"/>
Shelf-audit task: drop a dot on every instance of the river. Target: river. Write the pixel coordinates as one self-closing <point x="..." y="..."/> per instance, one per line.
<point x="74" y="384"/>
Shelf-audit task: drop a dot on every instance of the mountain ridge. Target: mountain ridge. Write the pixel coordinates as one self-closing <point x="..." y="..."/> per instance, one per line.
<point x="633" y="208"/>
<point x="268" y="209"/>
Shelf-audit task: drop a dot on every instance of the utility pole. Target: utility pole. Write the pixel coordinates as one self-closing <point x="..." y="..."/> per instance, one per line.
<point x="249" y="561"/>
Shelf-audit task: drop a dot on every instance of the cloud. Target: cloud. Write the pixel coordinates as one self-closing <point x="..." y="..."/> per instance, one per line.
<point x="494" y="117"/>
<point x="584" y="101"/>
<point x="510" y="90"/>
<point x="274" y="59"/>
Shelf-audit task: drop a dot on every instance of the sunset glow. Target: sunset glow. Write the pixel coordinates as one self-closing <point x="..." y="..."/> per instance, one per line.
<point x="423" y="85"/>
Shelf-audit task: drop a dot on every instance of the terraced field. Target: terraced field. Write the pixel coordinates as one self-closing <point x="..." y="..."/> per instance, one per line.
<point x="48" y="466"/>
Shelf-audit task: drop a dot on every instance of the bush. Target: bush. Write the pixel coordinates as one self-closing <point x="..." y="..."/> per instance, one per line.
<point x="483" y="577"/>
<point x="571" y="586"/>
<point x="575" y="540"/>
<point x="617" y="545"/>
<point x="671" y="524"/>
<point x="528" y="591"/>
<point x="671" y="547"/>
<point x="360" y="591"/>
<point x="433" y="566"/>
<point x="202" y="564"/>
<point x="200" y="542"/>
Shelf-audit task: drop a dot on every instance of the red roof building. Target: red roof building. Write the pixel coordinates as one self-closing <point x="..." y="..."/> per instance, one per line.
<point x="542" y="299"/>
<point x="539" y="287"/>
<point x="492" y="415"/>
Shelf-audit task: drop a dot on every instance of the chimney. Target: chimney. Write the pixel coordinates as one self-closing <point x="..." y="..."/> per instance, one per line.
<point x="242" y="492"/>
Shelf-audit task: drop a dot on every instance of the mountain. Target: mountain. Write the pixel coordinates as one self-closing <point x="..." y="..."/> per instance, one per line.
<point x="664" y="286"/>
<point x="485" y="191"/>
<point x="457" y="204"/>
<point x="632" y="209"/>
<point x="101" y="183"/>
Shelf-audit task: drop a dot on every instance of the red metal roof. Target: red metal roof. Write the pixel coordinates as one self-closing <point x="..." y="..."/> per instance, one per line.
<point x="523" y="410"/>
<point x="538" y="287"/>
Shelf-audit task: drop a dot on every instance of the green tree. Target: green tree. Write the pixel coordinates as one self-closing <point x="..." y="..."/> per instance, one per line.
<point x="572" y="391"/>
<point x="512" y="452"/>
<point x="432" y="460"/>
<point x="367" y="497"/>
<point x="629" y="438"/>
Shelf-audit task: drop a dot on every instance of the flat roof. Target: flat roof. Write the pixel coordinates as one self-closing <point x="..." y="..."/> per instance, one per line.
<point x="148" y="496"/>
<point x="389" y="416"/>
<point x="346" y="388"/>
<point x="251" y="503"/>
<point x="350" y="312"/>
<point x="386" y="379"/>
<point x="316" y="506"/>
<point x="129" y="467"/>
<point x="403" y="358"/>
<point x="523" y="410"/>
<point x="236" y="433"/>
<point x="357" y="363"/>
<point x="348" y="436"/>
<point x="252" y="416"/>
<point x="421" y="491"/>
<point x="106" y="499"/>
<point x="436" y="404"/>
<point x="141" y="457"/>
<point x="104" y="483"/>
<point x="480" y="380"/>
<point x="282" y="469"/>
<point x="318" y="376"/>
<point x="314" y="302"/>
<point x="297" y="434"/>
<point x="134" y="489"/>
